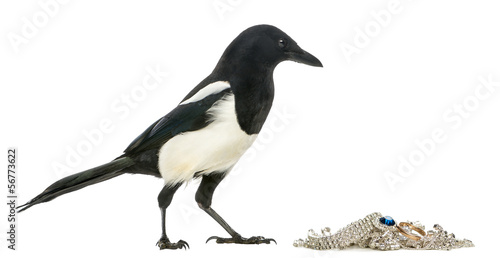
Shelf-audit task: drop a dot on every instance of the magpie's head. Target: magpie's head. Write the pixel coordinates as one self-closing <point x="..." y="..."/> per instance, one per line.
<point x="266" y="45"/>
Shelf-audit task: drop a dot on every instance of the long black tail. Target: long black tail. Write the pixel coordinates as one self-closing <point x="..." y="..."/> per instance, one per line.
<point x="80" y="180"/>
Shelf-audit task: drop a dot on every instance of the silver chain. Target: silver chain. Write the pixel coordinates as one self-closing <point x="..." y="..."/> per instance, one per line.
<point x="383" y="233"/>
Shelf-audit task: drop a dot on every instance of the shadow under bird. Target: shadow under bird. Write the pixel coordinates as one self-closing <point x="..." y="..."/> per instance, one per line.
<point x="207" y="133"/>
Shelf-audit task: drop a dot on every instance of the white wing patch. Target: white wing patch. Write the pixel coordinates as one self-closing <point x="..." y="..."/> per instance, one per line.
<point x="212" y="88"/>
<point x="215" y="148"/>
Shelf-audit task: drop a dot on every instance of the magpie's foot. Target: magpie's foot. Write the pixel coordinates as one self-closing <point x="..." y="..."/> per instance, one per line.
<point x="256" y="240"/>
<point x="164" y="243"/>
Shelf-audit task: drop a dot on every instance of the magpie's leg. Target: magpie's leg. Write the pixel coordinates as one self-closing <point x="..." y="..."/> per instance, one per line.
<point x="204" y="199"/>
<point x="164" y="200"/>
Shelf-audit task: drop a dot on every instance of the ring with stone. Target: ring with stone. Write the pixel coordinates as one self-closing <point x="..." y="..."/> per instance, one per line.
<point x="388" y="223"/>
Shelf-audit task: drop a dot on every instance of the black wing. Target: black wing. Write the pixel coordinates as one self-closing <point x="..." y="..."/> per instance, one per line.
<point x="184" y="118"/>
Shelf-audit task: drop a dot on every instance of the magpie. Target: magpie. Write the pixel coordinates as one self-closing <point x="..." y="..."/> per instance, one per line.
<point x="206" y="134"/>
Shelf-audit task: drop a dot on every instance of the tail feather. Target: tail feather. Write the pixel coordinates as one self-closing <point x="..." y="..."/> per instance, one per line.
<point x="80" y="180"/>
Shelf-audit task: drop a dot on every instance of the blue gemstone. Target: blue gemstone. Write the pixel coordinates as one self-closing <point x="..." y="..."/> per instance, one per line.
<point x="387" y="220"/>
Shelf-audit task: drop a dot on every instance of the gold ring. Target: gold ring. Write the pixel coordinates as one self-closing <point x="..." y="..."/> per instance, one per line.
<point x="408" y="235"/>
<point x="412" y="227"/>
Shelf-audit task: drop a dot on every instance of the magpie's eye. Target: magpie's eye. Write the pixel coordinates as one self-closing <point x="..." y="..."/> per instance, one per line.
<point x="282" y="43"/>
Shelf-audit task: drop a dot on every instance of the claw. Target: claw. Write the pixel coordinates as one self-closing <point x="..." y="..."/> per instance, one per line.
<point x="183" y="244"/>
<point x="241" y="240"/>
<point x="210" y="238"/>
<point x="166" y="244"/>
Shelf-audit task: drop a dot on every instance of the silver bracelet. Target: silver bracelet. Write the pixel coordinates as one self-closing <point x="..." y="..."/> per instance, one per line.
<point x="383" y="233"/>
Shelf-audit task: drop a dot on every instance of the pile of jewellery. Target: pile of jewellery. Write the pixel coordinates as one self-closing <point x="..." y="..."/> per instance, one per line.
<point x="383" y="233"/>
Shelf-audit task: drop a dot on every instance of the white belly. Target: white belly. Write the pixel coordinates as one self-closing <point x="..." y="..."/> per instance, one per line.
<point x="216" y="147"/>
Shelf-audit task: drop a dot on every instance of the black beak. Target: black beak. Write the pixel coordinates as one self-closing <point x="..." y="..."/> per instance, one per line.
<point x="304" y="57"/>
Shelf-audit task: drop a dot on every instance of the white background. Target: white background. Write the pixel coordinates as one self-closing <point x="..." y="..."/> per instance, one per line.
<point x="323" y="164"/>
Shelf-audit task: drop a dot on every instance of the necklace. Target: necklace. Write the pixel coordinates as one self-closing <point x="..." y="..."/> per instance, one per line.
<point x="383" y="233"/>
